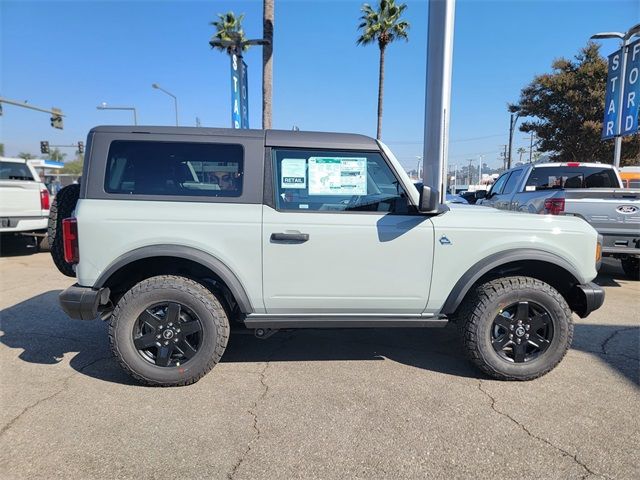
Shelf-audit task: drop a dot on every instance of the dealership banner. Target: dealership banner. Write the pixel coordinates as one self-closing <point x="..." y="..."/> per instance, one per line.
<point x="631" y="91"/>
<point x="239" y="93"/>
<point x="610" y="126"/>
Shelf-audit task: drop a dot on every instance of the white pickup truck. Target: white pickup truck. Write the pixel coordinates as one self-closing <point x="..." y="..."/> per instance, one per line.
<point x="24" y="200"/>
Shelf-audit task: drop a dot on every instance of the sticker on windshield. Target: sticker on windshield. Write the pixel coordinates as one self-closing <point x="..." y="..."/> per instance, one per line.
<point x="530" y="188"/>
<point x="337" y="176"/>
<point x="293" y="173"/>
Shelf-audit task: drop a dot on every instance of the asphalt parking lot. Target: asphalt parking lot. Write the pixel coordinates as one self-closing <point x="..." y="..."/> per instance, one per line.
<point x="312" y="404"/>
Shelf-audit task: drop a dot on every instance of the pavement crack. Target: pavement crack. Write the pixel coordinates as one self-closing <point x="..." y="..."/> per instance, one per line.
<point x="603" y="347"/>
<point x="65" y="385"/>
<point x="588" y="471"/>
<point x="253" y="411"/>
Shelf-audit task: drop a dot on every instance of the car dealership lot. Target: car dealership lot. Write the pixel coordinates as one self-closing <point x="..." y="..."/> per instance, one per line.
<point x="311" y="404"/>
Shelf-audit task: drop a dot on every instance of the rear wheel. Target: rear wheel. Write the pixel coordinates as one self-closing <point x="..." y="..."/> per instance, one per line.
<point x="62" y="207"/>
<point x="168" y="331"/>
<point x="631" y="267"/>
<point x="515" y="328"/>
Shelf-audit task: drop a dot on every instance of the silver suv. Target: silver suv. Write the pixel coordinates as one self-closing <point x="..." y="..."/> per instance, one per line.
<point x="181" y="235"/>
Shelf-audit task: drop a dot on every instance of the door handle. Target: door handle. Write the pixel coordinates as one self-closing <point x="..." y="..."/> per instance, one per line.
<point x="290" y="237"/>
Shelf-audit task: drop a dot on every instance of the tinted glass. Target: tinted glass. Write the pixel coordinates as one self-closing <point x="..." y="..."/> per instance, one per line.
<point x="514" y="178"/>
<point x="174" y="168"/>
<point x="497" y="187"/>
<point x="633" y="183"/>
<point x="14" y="171"/>
<point x="311" y="180"/>
<point x="543" y="178"/>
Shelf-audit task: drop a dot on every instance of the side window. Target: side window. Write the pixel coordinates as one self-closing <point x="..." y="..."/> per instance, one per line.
<point x="174" y="168"/>
<point x="312" y="180"/>
<point x="496" y="189"/>
<point x="514" y="178"/>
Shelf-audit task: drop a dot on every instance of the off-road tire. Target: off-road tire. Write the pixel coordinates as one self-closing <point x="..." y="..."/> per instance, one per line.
<point x="479" y="309"/>
<point x="62" y="207"/>
<point x="631" y="267"/>
<point x="176" y="289"/>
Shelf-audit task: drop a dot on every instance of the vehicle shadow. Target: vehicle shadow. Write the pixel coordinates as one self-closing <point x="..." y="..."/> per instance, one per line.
<point x="17" y="246"/>
<point x="45" y="335"/>
<point x="610" y="272"/>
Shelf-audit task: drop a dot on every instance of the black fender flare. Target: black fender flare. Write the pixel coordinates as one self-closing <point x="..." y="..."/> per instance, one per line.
<point x="471" y="276"/>
<point x="188" y="253"/>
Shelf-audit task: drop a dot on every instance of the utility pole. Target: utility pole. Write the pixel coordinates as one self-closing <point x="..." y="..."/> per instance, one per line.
<point x="469" y="175"/>
<point x="504" y="158"/>
<point x="531" y="147"/>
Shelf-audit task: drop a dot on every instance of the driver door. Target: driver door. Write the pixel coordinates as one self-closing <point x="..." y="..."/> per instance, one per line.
<point x="340" y="236"/>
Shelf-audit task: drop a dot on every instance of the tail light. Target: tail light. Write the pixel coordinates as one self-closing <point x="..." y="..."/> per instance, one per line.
<point x="44" y="199"/>
<point x="573" y="164"/>
<point x="70" y="240"/>
<point x="554" y="206"/>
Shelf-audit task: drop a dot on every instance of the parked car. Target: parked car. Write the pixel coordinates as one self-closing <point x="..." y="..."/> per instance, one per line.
<point x="180" y="234"/>
<point x="591" y="191"/>
<point x="24" y="201"/>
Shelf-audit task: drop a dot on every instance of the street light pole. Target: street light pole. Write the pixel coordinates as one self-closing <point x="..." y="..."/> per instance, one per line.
<point x="103" y="106"/>
<point x="625" y="38"/>
<point x="515" y="114"/>
<point x="175" y="99"/>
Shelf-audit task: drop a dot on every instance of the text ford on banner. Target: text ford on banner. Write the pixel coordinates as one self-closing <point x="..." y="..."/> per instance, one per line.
<point x="631" y="90"/>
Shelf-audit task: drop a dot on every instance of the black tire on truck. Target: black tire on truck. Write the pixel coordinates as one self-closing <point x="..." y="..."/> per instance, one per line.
<point x="515" y="328"/>
<point x="168" y="331"/>
<point x="62" y="207"/>
<point x="631" y="267"/>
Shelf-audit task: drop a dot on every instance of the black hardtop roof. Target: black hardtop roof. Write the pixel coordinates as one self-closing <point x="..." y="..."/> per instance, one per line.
<point x="272" y="138"/>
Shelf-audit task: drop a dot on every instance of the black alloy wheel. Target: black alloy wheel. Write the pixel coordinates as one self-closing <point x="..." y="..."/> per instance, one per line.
<point x="521" y="332"/>
<point x="167" y="334"/>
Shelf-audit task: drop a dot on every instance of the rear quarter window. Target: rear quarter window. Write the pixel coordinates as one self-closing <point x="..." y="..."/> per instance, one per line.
<point x="175" y="169"/>
<point x="14" y="171"/>
<point x="544" y="178"/>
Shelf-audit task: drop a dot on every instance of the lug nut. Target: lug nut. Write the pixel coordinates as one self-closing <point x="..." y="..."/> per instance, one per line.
<point x="166" y="342"/>
<point x="528" y="327"/>
<point x="518" y="341"/>
<point x="510" y="335"/>
<point x="175" y="340"/>
<point x="158" y="336"/>
<point x="511" y="327"/>
<point x="171" y="324"/>
<point x="526" y="336"/>
<point x="177" y="330"/>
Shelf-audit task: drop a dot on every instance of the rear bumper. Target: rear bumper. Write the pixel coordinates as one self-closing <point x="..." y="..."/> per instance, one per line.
<point x="587" y="298"/>
<point x="23" y="224"/>
<point x="83" y="303"/>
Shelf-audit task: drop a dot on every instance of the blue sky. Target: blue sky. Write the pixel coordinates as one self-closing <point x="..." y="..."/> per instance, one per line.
<point x="75" y="55"/>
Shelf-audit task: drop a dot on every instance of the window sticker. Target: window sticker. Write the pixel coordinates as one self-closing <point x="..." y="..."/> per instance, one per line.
<point x="337" y="176"/>
<point x="530" y="188"/>
<point x="293" y="173"/>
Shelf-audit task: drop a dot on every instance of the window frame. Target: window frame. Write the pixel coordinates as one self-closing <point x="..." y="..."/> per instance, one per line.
<point x="505" y="174"/>
<point x="271" y="179"/>
<point x="95" y="168"/>
<point x="519" y="171"/>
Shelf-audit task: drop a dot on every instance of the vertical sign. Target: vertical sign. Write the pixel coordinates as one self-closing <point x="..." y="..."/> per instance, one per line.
<point x="236" y="118"/>
<point x="631" y="91"/>
<point x="244" y="95"/>
<point x="610" y="125"/>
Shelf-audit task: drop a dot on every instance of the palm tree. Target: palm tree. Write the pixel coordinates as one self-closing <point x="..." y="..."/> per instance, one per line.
<point x="229" y="28"/>
<point x="267" y="66"/>
<point x="385" y="26"/>
<point x="521" y="151"/>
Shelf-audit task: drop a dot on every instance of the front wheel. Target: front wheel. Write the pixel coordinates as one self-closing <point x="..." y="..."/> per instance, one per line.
<point x="168" y="331"/>
<point x="515" y="328"/>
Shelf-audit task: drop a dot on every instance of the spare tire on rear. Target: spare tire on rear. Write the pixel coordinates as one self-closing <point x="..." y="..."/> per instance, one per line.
<point x="62" y="207"/>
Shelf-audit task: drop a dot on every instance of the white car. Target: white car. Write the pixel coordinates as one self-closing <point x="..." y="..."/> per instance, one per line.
<point x="24" y="199"/>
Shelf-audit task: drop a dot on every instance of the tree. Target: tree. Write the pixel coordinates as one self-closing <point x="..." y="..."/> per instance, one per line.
<point x="229" y="28"/>
<point x="1" y="149"/>
<point x="56" y="155"/>
<point x="26" y="155"/>
<point x="267" y="65"/>
<point x="566" y="108"/>
<point x="521" y="151"/>
<point x="384" y="26"/>
<point x="74" y="167"/>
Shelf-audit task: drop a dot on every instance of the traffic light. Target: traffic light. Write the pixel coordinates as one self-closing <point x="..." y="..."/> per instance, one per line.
<point x="80" y="148"/>
<point x="56" y="120"/>
<point x="44" y="147"/>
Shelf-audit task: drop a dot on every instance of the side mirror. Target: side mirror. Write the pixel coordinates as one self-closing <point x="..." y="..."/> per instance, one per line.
<point x="428" y="200"/>
<point x="480" y="194"/>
